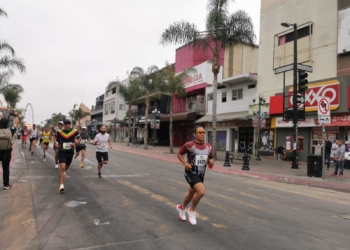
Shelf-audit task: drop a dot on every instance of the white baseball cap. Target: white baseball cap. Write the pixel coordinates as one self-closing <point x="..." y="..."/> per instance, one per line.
<point x="83" y="127"/>
<point x="60" y="122"/>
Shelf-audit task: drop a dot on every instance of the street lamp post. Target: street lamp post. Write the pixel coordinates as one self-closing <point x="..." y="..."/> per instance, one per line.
<point x="155" y="112"/>
<point x="295" y="99"/>
<point x="94" y="127"/>
<point x="115" y="128"/>
<point x="261" y="101"/>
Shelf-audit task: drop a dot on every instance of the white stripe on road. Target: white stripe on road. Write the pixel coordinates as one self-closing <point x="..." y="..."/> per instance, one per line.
<point x="83" y="176"/>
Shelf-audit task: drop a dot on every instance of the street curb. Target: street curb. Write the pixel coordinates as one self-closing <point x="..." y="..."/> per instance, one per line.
<point x="345" y="187"/>
<point x="287" y="179"/>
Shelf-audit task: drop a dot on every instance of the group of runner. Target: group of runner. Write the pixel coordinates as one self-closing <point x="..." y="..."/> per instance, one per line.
<point x="66" y="139"/>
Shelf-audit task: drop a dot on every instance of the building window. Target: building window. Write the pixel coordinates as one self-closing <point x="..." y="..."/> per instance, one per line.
<point x="114" y="90"/>
<point x="121" y="107"/>
<point x="223" y="97"/>
<point x="303" y="32"/>
<point x="112" y="107"/>
<point x="107" y="109"/>
<point x="252" y="86"/>
<point x="210" y="96"/>
<point x="237" y="94"/>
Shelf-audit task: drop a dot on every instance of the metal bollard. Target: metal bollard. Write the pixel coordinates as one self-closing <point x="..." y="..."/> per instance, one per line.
<point x="227" y="160"/>
<point x="246" y="159"/>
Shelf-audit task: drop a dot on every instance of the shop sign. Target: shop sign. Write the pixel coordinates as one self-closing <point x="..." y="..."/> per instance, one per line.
<point x="330" y="89"/>
<point x="312" y="121"/>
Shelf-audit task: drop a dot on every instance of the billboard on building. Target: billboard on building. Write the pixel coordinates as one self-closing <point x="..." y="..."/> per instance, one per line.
<point x="203" y="74"/>
<point x="344" y="31"/>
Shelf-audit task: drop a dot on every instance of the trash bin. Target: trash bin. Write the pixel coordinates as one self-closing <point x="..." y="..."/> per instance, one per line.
<point x="314" y="166"/>
<point x="347" y="164"/>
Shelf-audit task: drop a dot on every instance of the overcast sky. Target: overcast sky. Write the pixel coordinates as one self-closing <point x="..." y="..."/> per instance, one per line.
<point x="73" y="48"/>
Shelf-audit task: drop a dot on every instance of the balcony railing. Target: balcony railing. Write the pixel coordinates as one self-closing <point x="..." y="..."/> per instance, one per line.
<point x="199" y="108"/>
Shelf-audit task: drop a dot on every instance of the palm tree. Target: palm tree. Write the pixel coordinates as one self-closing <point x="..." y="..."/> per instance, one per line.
<point x="129" y="93"/>
<point x="146" y="83"/>
<point x="55" y="118"/>
<point x="78" y="114"/>
<point x="174" y="84"/>
<point x="12" y="96"/>
<point x="223" y="30"/>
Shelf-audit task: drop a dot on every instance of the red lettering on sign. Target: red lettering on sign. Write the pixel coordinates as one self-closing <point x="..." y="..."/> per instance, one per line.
<point x="329" y="89"/>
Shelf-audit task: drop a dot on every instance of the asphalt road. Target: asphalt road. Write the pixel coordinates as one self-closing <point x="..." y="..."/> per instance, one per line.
<point x="135" y="201"/>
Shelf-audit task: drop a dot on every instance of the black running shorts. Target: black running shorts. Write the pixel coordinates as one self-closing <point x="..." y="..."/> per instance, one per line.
<point x="193" y="178"/>
<point x="46" y="143"/>
<point x="65" y="158"/>
<point x="32" y="139"/>
<point x="78" y="148"/>
<point x="100" y="155"/>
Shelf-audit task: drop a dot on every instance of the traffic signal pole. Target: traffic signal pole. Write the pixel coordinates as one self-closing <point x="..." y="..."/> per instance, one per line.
<point x="295" y="105"/>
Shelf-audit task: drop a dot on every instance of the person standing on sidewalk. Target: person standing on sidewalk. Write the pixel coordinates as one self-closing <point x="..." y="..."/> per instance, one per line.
<point x="65" y="140"/>
<point x="339" y="157"/>
<point x="6" y="148"/>
<point x="102" y="141"/>
<point x="199" y="155"/>
<point x="327" y="151"/>
<point x="334" y="150"/>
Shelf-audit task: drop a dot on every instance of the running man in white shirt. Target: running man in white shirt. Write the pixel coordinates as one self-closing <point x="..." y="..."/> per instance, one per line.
<point x="33" y="133"/>
<point x="102" y="142"/>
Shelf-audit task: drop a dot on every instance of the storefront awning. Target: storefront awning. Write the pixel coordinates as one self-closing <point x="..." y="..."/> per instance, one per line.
<point x="224" y="117"/>
<point x="246" y="77"/>
<point x="185" y="116"/>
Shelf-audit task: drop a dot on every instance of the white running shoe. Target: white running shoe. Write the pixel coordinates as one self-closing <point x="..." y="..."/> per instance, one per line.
<point x="182" y="212"/>
<point x="56" y="166"/>
<point x="61" y="189"/>
<point x="192" y="217"/>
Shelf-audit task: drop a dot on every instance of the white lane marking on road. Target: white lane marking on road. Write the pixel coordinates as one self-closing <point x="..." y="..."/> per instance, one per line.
<point x="75" y="203"/>
<point x="23" y="180"/>
<point x="97" y="222"/>
<point x="19" y="160"/>
<point x="83" y="176"/>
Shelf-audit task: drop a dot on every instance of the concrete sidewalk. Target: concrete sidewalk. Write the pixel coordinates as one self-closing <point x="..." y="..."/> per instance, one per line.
<point x="266" y="169"/>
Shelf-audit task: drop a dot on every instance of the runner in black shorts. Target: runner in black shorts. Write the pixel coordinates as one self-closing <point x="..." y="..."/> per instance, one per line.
<point x="199" y="155"/>
<point x="65" y="141"/>
<point x="54" y="133"/>
<point x="82" y="146"/>
<point x="102" y="141"/>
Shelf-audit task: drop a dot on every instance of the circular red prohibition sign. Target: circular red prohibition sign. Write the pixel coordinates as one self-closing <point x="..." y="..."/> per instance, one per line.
<point x="323" y="110"/>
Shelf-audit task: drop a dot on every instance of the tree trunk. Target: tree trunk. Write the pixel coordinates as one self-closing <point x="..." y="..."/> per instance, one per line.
<point x="129" y="127"/>
<point x="215" y="69"/>
<point x="145" y="130"/>
<point x="171" y="126"/>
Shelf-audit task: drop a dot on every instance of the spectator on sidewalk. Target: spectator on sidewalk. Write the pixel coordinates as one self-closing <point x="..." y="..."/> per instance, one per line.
<point x="280" y="152"/>
<point x="334" y="149"/>
<point x="327" y="151"/>
<point x="339" y="158"/>
<point x="6" y="148"/>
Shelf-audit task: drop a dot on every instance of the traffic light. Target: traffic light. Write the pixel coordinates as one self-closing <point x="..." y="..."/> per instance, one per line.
<point x="288" y="114"/>
<point x="302" y="81"/>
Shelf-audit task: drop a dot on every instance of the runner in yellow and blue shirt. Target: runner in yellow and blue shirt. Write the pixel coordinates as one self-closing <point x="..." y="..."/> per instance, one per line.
<point x="46" y="138"/>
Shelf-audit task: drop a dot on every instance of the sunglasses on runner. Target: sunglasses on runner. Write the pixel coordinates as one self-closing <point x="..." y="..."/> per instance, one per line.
<point x="200" y="132"/>
<point x="66" y="123"/>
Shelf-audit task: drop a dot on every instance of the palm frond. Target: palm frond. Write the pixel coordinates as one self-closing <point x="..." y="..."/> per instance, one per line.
<point x="3" y="13"/>
<point x="4" y="46"/>
<point x="217" y="15"/>
<point x="12" y="62"/>
<point x="180" y="33"/>
<point x="113" y="84"/>
<point x="238" y="29"/>
<point x="5" y="77"/>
